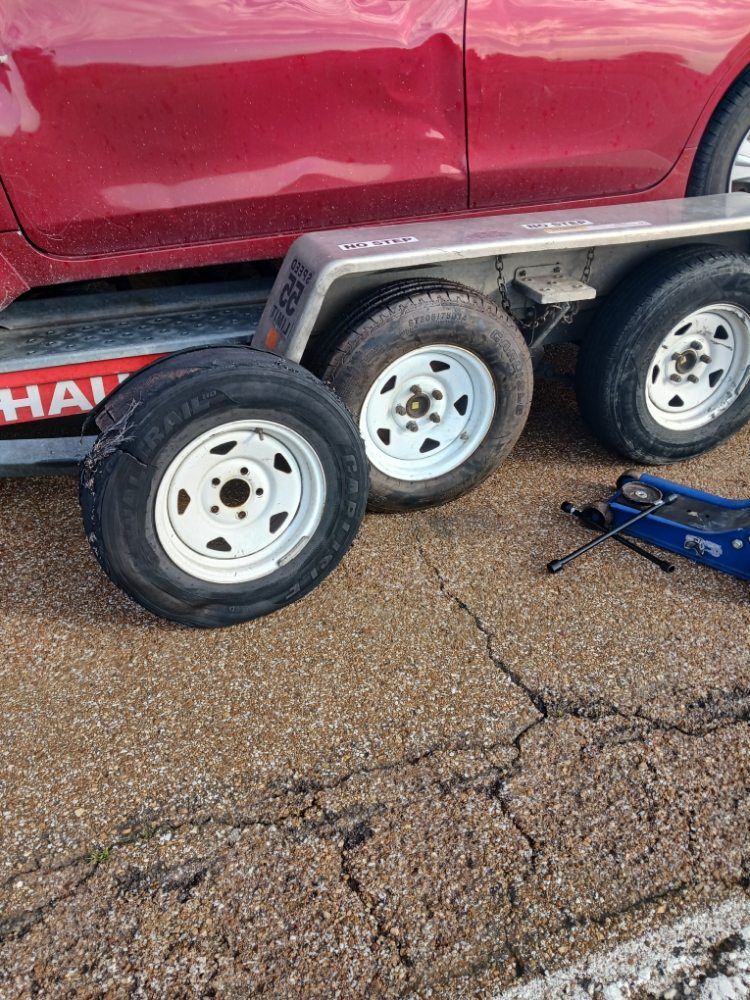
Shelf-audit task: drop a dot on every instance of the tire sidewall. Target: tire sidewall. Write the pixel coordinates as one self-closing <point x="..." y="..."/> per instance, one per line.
<point x="461" y="325"/>
<point x="127" y="481"/>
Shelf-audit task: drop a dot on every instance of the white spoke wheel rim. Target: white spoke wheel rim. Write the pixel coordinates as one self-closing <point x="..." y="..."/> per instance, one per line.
<point x="739" y="176"/>
<point x="700" y="368"/>
<point x="239" y="501"/>
<point x="427" y="412"/>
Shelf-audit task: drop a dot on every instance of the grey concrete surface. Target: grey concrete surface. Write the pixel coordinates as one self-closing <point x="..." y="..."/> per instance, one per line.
<point x="705" y="955"/>
<point x="444" y="774"/>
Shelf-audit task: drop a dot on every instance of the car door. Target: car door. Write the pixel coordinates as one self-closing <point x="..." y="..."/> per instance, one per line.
<point x="575" y="99"/>
<point x="130" y="124"/>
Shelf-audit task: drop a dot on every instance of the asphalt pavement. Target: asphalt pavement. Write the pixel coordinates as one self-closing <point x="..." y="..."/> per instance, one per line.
<point x="445" y="773"/>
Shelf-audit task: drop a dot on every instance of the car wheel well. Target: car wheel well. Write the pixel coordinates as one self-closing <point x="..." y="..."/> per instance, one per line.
<point x="708" y="167"/>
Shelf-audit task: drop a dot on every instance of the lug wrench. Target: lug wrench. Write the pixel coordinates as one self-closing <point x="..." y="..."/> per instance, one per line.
<point x="557" y="564"/>
<point x="663" y="564"/>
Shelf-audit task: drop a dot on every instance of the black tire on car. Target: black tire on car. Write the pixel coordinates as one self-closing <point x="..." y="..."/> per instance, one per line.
<point x="439" y="381"/>
<point x="718" y="148"/>
<point x="225" y="484"/>
<point x="663" y="373"/>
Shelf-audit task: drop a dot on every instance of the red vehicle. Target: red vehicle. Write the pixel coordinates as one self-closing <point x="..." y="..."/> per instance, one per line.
<point x="159" y="159"/>
<point x="144" y="136"/>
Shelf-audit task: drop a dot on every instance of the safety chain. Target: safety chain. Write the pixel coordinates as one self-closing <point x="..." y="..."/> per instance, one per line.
<point x="538" y="319"/>
<point x="502" y="286"/>
<point x="585" y="275"/>
<point x="534" y="320"/>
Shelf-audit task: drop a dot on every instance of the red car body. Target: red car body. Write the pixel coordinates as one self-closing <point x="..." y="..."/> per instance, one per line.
<point x="138" y="135"/>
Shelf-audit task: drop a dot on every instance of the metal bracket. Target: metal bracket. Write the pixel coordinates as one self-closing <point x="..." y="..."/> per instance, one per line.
<point x="547" y="285"/>
<point x="703" y="546"/>
<point x="43" y="456"/>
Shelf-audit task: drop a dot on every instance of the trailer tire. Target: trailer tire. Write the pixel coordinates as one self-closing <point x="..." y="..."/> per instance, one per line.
<point x="642" y="383"/>
<point x="265" y="455"/>
<point x="474" y="371"/>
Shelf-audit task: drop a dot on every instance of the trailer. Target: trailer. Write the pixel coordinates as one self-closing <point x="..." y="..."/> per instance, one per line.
<point x="238" y="430"/>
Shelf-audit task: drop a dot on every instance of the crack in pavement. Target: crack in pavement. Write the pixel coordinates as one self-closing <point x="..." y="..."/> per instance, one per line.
<point x="384" y="934"/>
<point x="154" y="827"/>
<point x="559" y="707"/>
<point x="22" y="923"/>
<point x="534" y="697"/>
<point x="198" y="823"/>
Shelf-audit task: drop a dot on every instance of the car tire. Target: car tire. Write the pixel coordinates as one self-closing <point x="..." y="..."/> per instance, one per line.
<point x="642" y="381"/>
<point x="717" y="151"/>
<point x="473" y="371"/>
<point x="226" y="483"/>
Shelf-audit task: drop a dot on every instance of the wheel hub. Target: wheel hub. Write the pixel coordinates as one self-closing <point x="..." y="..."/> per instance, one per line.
<point x="235" y="493"/>
<point x="418" y="405"/>
<point x="231" y="490"/>
<point x="686" y="361"/>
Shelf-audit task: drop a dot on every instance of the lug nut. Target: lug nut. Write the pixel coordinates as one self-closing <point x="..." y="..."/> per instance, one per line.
<point x="706" y="359"/>
<point x="215" y="482"/>
<point x="435" y="418"/>
<point x="696" y="345"/>
<point x="241" y="515"/>
<point x="401" y="410"/>
<point x="243" y="471"/>
<point x="415" y="389"/>
<point x="214" y="510"/>
<point x="674" y="377"/>
<point x="437" y="394"/>
<point x="692" y="378"/>
<point x="412" y="426"/>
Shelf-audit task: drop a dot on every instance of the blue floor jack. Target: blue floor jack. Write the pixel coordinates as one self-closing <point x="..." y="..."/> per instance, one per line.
<point x="706" y="528"/>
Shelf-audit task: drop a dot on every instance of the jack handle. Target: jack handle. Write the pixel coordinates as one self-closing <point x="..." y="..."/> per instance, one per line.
<point x="664" y="565"/>
<point x="558" y="564"/>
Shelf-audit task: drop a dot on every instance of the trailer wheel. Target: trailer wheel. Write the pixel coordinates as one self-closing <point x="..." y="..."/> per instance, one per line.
<point x="439" y="380"/>
<point x="664" y="372"/>
<point x="226" y="483"/>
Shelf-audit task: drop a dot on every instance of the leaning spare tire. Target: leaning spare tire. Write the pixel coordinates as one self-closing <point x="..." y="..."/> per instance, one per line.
<point x="226" y="483"/>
